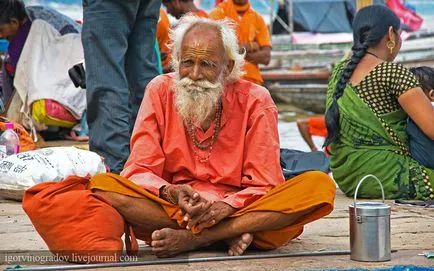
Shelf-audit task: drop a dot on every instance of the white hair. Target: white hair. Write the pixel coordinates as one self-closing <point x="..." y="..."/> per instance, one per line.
<point x="227" y="33"/>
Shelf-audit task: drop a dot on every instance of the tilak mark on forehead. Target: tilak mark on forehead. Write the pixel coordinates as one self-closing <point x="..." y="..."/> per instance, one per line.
<point x="198" y="49"/>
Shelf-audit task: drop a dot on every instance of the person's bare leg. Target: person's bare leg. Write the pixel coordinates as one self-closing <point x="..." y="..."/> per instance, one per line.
<point x="141" y="213"/>
<point x="303" y="128"/>
<point x="169" y="242"/>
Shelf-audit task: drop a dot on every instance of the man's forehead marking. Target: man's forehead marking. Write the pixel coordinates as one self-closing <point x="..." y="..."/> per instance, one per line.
<point x="199" y="48"/>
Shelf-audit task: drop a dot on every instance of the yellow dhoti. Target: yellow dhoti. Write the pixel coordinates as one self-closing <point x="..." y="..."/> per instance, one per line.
<point x="308" y="190"/>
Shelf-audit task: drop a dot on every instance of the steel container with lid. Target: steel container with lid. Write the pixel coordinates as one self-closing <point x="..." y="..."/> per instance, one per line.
<point x="370" y="229"/>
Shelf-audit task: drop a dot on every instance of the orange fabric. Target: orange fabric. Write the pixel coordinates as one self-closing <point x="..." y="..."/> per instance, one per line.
<point x="72" y="219"/>
<point x="163" y="27"/>
<point x="200" y="13"/>
<point x="317" y="126"/>
<point x="26" y="141"/>
<point x="298" y="194"/>
<point x="244" y="162"/>
<point x="250" y="27"/>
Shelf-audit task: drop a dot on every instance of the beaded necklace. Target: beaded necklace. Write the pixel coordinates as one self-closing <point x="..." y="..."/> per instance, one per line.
<point x="203" y="147"/>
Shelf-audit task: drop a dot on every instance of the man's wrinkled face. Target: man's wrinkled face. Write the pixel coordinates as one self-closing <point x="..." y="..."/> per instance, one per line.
<point x="9" y="30"/>
<point x="200" y="79"/>
<point x="202" y="55"/>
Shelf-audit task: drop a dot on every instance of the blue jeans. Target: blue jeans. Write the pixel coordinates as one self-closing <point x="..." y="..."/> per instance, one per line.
<point x="118" y="39"/>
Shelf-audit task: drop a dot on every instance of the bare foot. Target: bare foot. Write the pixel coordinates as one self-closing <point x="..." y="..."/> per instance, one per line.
<point x="169" y="242"/>
<point x="238" y="245"/>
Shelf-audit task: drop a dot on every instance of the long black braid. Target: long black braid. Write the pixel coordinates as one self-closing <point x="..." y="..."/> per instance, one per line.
<point x="370" y="26"/>
<point x="332" y="115"/>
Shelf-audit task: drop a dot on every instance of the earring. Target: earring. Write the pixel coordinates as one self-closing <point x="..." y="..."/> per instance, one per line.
<point x="390" y="45"/>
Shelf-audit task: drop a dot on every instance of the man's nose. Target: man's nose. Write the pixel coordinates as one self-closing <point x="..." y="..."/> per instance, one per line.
<point x="195" y="73"/>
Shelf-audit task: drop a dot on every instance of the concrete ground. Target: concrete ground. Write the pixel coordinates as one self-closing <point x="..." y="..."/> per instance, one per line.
<point x="412" y="234"/>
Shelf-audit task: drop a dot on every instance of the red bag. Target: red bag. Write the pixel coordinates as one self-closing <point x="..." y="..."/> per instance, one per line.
<point x="74" y="222"/>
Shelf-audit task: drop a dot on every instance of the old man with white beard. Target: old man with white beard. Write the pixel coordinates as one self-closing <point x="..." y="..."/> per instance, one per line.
<point x="204" y="164"/>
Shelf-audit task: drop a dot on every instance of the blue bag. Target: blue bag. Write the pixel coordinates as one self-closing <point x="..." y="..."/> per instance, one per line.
<point x="294" y="162"/>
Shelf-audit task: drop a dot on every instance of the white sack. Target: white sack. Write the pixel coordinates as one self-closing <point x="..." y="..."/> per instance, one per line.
<point x="23" y="170"/>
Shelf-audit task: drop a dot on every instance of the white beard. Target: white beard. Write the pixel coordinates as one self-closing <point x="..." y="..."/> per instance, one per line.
<point x="197" y="100"/>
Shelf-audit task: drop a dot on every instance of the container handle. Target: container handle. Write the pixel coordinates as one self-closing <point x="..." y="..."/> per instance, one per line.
<point x="358" y="186"/>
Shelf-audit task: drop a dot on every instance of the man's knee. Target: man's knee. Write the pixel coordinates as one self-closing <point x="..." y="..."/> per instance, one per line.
<point x="318" y="180"/>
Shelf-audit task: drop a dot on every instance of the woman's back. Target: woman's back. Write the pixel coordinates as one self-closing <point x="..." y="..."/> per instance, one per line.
<point x="382" y="86"/>
<point x="373" y="139"/>
<point x="368" y="101"/>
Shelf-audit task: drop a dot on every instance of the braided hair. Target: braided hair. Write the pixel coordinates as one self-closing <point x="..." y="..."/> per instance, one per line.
<point x="10" y="9"/>
<point x="371" y="24"/>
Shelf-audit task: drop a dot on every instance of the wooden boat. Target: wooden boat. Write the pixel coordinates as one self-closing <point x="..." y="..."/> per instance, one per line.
<point x="304" y="89"/>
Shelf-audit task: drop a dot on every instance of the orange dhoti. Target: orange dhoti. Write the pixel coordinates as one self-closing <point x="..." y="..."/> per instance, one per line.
<point x="308" y="190"/>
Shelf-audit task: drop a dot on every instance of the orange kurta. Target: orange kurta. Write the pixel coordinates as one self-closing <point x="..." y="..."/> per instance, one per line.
<point x="163" y="27"/>
<point x="250" y="27"/>
<point x="244" y="162"/>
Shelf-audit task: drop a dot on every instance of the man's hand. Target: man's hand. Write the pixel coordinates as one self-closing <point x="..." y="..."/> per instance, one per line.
<point x="261" y="56"/>
<point x="250" y="47"/>
<point x="216" y="213"/>
<point x="192" y="205"/>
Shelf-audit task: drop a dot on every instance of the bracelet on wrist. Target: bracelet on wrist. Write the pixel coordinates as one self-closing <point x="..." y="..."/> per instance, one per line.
<point x="167" y="196"/>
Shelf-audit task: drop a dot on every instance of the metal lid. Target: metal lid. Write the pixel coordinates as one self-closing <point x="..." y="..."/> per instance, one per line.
<point x="371" y="209"/>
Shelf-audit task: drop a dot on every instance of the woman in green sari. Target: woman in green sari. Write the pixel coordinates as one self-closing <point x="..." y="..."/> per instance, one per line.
<point x="368" y="102"/>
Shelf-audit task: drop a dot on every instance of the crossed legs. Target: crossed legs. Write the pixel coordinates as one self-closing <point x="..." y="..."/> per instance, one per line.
<point x="168" y="239"/>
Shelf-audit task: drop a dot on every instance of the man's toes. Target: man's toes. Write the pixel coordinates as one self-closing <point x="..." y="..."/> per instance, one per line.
<point x="230" y="252"/>
<point x="239" y="250"/>
<point x="247" y="238"/>
<point x="156" y="244"/>
<point x="158" y="235"/>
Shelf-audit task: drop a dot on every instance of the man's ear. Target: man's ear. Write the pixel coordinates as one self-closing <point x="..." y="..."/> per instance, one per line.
<point x="431" y="95"/>
<point x="229" y="67"/>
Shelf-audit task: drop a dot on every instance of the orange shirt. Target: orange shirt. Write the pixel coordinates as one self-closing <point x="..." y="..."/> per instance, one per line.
<point x="250" y="27"/>
<point x="162" y="34"/>
<point x="317" y="126"/>
<point x="245" y="160"/>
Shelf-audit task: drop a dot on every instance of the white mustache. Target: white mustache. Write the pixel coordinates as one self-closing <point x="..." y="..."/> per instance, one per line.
<point x="192" y="85"/>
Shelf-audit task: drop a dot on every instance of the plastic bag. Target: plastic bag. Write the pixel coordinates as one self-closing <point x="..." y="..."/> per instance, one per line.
<point x="23" y="170"/>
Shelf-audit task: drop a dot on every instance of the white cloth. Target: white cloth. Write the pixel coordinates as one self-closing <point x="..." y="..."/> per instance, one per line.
<point x="42" y="69"/>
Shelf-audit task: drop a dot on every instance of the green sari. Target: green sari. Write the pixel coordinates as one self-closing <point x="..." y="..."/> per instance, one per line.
<point x="374" y="144"/>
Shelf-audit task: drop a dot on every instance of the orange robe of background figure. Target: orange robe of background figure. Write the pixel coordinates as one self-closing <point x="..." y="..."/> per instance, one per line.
<point x="250" y="28"/>
<point x="163" y="27"/>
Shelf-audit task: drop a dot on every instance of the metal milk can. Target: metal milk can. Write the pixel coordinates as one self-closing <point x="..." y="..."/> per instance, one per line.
<point x="370" y="228"/>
